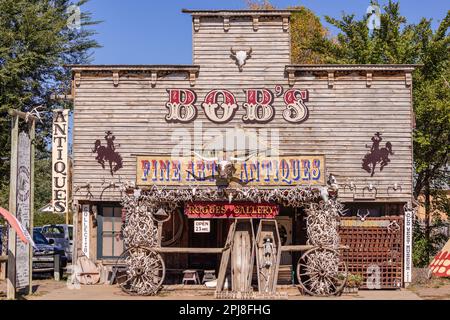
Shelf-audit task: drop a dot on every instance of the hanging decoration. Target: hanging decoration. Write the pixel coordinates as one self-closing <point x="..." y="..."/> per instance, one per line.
<point x="145" y="266"/>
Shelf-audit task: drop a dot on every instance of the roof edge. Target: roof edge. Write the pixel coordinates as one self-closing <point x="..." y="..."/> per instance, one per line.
<point x="339" y="67"/>
<point x="244" y="12"/>
<point x="143" y="67"/>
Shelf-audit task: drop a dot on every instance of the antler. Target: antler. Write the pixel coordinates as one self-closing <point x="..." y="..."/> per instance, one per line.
<point x="233" y="52"/>
<point x="243" y="159"/>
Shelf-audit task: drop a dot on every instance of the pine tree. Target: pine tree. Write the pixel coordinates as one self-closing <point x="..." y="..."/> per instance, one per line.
<point x="37" y="38"/>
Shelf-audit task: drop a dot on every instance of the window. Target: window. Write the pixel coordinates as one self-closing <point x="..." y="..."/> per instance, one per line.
<point x="70" y="233"/>
<point x="53" y="231"/>
<point x="109" y="240"/>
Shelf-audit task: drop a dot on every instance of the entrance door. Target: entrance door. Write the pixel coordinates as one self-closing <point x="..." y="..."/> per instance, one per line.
<point x="285" y="230"/>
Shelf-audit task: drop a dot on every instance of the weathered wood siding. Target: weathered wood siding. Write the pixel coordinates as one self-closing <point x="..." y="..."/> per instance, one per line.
<point x="342" y="118"/>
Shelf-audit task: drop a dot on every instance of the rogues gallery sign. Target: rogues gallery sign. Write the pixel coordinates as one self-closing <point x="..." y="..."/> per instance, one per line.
<point x="227" y="210"/>
<point x="287" y="170"/>
<point x="220" y="105"/>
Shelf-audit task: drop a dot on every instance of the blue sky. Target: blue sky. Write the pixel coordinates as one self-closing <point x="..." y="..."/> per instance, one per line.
<point x="156" y="32"/>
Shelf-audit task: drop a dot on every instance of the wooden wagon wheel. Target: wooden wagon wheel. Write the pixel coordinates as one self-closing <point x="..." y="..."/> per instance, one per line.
<point x="144" y="271"/>
<point x="321" y="272"/>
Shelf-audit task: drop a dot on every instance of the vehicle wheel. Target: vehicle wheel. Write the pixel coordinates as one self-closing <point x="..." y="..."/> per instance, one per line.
<point x="321" y="272"/>
<point x="145" y="271"/>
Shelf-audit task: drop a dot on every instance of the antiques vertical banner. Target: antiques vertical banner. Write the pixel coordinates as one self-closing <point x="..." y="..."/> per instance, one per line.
<point x="23" y="209"/>
<point x="60" y="170"/>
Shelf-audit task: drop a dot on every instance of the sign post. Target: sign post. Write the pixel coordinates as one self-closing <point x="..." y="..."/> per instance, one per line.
<point x="85" y="230"/>
<point x="407" y="264"/>
<point x="21" y="201"/>
<point x="11" y="279"/>
<point x="23" y="207"/>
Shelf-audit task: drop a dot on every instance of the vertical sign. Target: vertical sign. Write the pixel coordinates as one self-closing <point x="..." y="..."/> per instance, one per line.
<point x="407" y="264"/>
<point x="85" y="230"/>
<point x="23" y="209"/>
<point x="59" y="161"/>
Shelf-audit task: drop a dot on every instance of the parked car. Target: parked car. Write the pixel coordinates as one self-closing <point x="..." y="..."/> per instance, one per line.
<point x="62" y="235"/>
<point x="44" y="254"/>
<point x="38" y="229"/>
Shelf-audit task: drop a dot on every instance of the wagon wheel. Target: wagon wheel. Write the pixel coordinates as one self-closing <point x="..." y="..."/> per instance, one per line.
<point x="321" y="272"/>
<point x="145" y="271"/>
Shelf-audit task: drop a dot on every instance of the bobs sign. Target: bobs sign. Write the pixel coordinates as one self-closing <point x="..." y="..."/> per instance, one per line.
<point x="220" y="105"/>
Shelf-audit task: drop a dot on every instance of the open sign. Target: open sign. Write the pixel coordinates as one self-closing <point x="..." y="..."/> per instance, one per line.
<point x="202" y="226"/>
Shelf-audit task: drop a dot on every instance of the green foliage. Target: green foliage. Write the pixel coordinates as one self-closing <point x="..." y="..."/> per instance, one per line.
<point x="397" y="42"/>
<point x="309" y="38"/>
<point x="425" y="249"/>
<point x="354" y="280"/>
<point x="43" y="180"/>
<point x="44" y="218"/>
<point x="35" y="44"/>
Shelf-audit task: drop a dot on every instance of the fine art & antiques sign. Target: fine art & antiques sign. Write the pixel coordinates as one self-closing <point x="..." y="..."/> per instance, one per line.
<point x="208" y="210"/>
<point x="280" y="171"/>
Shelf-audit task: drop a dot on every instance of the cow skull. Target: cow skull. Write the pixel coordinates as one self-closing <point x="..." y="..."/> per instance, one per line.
<point x="241" y="56"/>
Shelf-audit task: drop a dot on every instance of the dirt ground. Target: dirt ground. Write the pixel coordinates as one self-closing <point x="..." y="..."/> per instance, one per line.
<point x="59" y="290"/>
<point x="49" y="289"/>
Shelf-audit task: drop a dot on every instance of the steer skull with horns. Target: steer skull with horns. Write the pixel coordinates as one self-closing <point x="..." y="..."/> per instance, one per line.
<point x="225" y="169"/>
<point x="240" y="56"/>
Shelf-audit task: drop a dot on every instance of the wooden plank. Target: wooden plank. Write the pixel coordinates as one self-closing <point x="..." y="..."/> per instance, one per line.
<point x="189" y="250"/>
<point x="32" y="132"/>
<point x="23" y="204"/>
<point x="225" y="258"/>
<point x="11" y="279"/>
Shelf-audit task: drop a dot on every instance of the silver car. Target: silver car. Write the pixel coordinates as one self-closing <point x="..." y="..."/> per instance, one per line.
<point x="62" y="235"/>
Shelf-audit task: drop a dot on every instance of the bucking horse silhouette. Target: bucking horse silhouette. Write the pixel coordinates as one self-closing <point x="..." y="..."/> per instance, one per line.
<point x="370" y="160"/>
<point x="108" y="153"/>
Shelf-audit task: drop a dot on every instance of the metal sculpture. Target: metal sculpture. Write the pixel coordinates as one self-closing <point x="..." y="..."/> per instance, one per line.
<point x="377" y="155"/>
<point x="108" y="153"/>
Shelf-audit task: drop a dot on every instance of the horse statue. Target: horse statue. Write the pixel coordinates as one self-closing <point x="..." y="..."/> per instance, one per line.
<point x="108" y="153"/>
<point x="377" y="155"/>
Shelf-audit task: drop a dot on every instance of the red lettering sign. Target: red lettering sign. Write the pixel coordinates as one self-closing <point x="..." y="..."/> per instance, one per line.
<point x="221" y="210"/>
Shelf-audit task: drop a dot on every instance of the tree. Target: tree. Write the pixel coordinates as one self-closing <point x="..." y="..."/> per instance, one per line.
<point x="309" y="38"/>
<point x="399" y="42"/>
<point x="396" y="42"/>
<point x="36" y="41"/>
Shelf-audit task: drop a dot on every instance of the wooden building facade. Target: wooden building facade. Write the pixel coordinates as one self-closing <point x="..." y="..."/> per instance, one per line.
<point x="353" y="122"/>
